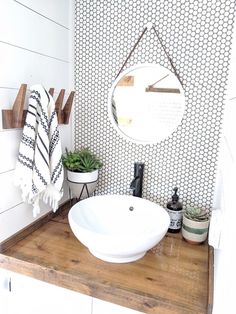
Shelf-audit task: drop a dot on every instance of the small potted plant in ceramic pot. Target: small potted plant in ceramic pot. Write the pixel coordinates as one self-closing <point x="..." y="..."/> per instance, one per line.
<point x="82" y="171"/>
<point x="195" y="225"/>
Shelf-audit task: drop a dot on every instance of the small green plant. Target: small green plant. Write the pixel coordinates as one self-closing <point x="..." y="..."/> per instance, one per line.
<point x="81" y="161"/>
<point x="196" y="214"/>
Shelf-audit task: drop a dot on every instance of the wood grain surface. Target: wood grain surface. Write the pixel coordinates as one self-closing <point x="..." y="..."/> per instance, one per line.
<point x="172" y="278"/>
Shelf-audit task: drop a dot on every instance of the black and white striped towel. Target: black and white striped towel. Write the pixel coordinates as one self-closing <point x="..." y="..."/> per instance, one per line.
<point x="39" y="170"/>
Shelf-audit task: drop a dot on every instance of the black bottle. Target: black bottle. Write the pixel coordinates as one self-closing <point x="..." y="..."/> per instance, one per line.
<point x="174" y="208"/>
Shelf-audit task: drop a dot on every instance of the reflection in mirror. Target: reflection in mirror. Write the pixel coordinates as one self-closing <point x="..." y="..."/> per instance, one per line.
<point x="146" y="103"/>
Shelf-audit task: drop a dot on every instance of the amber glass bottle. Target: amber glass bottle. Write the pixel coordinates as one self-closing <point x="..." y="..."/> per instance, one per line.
<point x="174" y="208"/>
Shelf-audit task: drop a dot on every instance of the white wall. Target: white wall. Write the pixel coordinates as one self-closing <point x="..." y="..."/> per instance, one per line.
<point x="35" y="47"/>
<point x="225" y="255"/>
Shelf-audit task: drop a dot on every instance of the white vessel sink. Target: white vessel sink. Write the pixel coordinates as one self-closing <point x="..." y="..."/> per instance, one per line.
<point x="118" y="228"/>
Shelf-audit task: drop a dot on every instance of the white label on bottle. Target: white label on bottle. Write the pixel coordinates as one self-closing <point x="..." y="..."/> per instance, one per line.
<point x="175" y="218"/>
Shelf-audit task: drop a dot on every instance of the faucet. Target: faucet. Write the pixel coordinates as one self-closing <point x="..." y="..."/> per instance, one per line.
<point x="137" y="183"/>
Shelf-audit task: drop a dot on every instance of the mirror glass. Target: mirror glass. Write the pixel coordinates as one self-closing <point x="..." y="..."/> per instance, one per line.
<point x="146" y="103"/>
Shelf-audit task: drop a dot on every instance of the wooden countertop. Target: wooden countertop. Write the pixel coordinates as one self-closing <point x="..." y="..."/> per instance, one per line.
<point x="173" y="278"/>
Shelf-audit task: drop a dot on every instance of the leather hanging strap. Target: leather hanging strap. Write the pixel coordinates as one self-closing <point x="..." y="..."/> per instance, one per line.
<point x="136" y="44"/>
<point x="163" y="47"/>
<point x="167" y="55"/>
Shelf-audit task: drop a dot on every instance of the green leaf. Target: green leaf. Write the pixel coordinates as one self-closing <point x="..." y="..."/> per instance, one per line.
<point x="81" y="161"/>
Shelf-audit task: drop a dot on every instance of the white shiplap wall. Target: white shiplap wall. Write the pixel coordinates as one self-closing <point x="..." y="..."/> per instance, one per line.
<point x="225" y="256"/>
<point x="35" y="47"/>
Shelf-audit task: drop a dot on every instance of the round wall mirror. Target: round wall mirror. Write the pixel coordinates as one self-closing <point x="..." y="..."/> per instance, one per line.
<point x="146" y="103"/>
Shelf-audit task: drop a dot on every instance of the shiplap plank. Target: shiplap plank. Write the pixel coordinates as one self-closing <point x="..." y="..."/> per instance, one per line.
<point x="47" y="8"/>
<point x="22" y="27"/>
<point x="9" y="142"/>
<point x="20" y="66"/>
<point x="10" y="195"/>
<point x="17" y="218"/>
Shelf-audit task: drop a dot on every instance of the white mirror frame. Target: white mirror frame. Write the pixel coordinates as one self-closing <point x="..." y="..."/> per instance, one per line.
<point x="110" y="111"/>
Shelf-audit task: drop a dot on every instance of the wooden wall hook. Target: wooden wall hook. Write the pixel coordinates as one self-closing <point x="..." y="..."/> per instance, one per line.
<point x="51" y="91"/>
<point x="67" y="107"/>
<point x="63" y="114"/>
<point x="15" y="117"/>
<point x="58" y="107"/>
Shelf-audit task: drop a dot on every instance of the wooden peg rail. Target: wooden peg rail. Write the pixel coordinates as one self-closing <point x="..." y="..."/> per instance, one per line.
<point x="15" y="118"/>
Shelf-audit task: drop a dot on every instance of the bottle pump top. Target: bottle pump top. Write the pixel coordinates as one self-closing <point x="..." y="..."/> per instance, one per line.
<point x="175" y="197"/>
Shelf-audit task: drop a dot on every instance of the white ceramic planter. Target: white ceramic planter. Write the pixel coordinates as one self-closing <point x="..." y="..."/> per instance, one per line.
<point x="79" y="180"/>
<point x="194" y="231"/>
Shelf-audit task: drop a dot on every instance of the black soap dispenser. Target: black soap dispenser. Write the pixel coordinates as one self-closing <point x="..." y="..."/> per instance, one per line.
<point x="174" y="208"/>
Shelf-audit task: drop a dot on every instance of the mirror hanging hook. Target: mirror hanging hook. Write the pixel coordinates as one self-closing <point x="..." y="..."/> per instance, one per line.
<point x="149" y="26"/>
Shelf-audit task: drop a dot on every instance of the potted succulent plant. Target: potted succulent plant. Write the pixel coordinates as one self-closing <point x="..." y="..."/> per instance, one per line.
<point x="82" y="171"/>
<point x="195" y="225"/>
